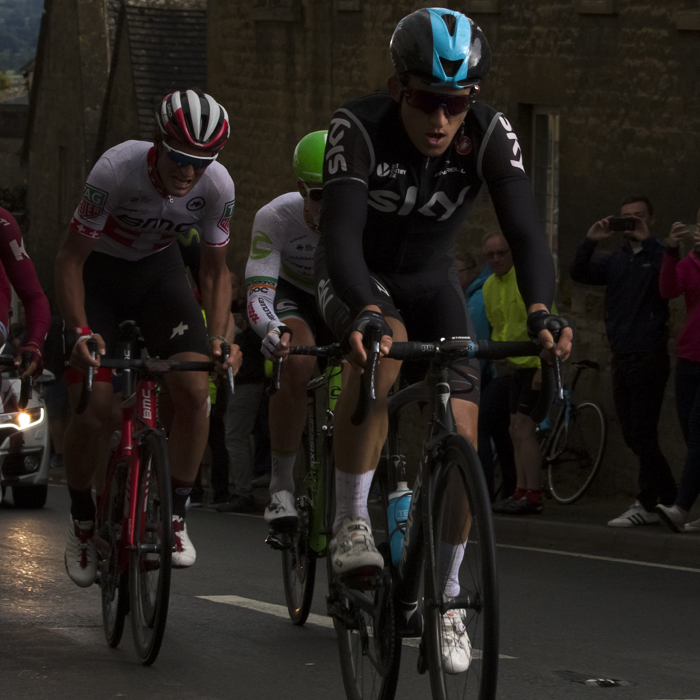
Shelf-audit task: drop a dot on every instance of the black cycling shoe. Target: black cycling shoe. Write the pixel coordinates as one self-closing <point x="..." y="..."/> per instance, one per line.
<point x="238" y="503"/>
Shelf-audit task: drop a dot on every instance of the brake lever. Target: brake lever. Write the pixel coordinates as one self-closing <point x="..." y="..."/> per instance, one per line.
<point x="91" y="344"/>
<point x="225" y="354"/>
<point x="27" y="383"/>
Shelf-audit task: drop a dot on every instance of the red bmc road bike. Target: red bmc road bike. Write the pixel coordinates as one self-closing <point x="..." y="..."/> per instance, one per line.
<point x="133" y="533"/>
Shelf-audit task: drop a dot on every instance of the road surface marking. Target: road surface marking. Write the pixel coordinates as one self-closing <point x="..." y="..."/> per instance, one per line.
<point x="594" y="556"/>
<point x="313" y="619"/>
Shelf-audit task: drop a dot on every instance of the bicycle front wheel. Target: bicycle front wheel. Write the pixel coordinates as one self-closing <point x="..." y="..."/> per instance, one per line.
<point x="150" y="563"/>
<point x="298" y="561"/>
<point x="369" y="647"/>
<point x="461" y="586"/>
<point x="576" y="452"/>
<point x="114" y="584"/>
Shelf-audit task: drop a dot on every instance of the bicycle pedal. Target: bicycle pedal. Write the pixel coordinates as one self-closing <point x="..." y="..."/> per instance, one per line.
<point x="276" y="542"/>
<point x="366" y="579"/>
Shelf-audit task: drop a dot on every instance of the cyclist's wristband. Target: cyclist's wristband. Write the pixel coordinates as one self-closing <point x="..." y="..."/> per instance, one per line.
<point x="75" y="335"/>
<point x="217" y="337"/>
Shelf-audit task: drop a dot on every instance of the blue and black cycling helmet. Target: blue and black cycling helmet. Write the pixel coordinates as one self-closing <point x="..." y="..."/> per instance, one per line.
<point x="440" y="47"/>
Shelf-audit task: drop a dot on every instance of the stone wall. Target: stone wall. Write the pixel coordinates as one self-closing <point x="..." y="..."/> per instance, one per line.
<point x="70" y="80"/>
<point x="624" y="74"/>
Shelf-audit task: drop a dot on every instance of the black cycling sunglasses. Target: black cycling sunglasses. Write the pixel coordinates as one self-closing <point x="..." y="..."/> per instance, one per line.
<point x="315" y="194"/>
<point x="429" y="102"/>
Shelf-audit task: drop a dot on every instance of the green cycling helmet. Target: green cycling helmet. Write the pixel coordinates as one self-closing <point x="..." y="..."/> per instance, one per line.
<point x="308" y="157"/>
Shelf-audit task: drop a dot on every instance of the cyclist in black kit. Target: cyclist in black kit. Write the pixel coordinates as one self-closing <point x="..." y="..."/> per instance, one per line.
<point x="402" y="170"/>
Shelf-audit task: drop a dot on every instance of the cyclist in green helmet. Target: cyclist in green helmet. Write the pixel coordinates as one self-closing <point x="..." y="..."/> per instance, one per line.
<point x="282" y="309"/>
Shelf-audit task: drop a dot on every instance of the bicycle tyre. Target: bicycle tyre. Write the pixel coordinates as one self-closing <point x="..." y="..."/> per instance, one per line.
<point x="114" y="585"/>
<point x="576" y="452"/>
<point x="458" y="482"/>
<point x="298" y="561"/>
<point x="361" y="678"/>
<point x="149" y="571"/>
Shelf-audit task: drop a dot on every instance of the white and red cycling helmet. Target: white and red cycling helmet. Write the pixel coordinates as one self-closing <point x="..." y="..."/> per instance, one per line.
<point x="194" y="118"/>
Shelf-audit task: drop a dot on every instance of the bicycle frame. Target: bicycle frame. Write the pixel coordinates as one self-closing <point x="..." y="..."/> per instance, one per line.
<point x="435" y="389"/>
<point x="319" y="485"/>
<point x="138" y="409"/>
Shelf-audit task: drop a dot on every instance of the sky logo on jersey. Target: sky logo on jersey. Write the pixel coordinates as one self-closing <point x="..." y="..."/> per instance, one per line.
<point x="93" y="202"/>
<point x="334" y="156"/>
<point x="388" y="202"/>
<point x="260" y="246"/>
<point x="225" y="221"/>
<point x="517" y="153"/>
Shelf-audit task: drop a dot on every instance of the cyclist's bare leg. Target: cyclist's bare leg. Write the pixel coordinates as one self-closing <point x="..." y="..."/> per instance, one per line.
<point x="288" y="408"/>
<point x="85" y="434"/>
<point x="528" y="456"/>
<point x="356" y="448"/>
<point x="188" y="436"/>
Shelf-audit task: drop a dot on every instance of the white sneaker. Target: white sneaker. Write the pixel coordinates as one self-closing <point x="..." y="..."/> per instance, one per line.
<point x="353" y="551"/>
<point x="636" y="515"/>
<point x="282" y="511"/>
<point x="673" y="516"/>
<point x="693" y="527"/>
<point x="456" y="647"/>
<point x="79" y="557"/>
<point x="184" y="553"/>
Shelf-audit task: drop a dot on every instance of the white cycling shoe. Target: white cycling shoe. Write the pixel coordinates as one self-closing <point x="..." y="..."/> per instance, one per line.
<point x="353" y="551"/>
<point x="184" y="553"/>
<point x="456" y="647"/>
<point x="79" y="557"/>
<point x="281" y="513"/>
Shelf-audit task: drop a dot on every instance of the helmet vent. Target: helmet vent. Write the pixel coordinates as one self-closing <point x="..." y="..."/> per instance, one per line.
<point x="451" y="22"/>
<point x="451" y="68"/>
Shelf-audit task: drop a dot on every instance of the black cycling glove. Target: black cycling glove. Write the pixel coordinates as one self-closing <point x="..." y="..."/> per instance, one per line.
<point x="365" y="321"/>
<point x="540" y="320"/>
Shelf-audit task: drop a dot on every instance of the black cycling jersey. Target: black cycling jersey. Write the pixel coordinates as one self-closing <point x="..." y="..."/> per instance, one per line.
<point x="388" y="208"/>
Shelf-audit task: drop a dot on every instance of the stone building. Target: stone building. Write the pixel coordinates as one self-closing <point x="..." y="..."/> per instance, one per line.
<point x="604" y="95"/>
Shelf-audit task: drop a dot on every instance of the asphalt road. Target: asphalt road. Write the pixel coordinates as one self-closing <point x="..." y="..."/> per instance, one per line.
<point x="565" y="620"/>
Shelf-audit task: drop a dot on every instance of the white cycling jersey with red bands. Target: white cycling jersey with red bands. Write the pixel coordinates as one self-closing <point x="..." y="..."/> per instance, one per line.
<point x="283" y="245"/>
<point x="126" y="208"/>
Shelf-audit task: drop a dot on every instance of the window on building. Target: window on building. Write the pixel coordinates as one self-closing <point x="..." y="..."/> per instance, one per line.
<point x="544" y="172"/>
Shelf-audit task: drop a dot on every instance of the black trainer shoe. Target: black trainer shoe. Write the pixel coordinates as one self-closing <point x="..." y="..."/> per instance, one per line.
<point x="239" y="503"/>
<point x="522" y="506"/>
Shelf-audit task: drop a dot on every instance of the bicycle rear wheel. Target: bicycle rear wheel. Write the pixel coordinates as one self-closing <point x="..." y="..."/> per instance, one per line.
<point x="150" y="562"/>
<point x="114" y="584"/>
<point x="368" y="646"/>
<point x="298" y="561"/>
<point x="576" y="452"/>
<point x="459" y="510"/>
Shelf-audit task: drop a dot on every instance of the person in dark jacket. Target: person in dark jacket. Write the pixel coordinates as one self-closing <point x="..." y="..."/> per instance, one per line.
<point x="636" y="323"/>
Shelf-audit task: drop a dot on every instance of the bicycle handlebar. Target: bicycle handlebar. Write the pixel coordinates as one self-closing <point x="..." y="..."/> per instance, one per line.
<point x="452" y="349"/>
<point x="150" y="366"/>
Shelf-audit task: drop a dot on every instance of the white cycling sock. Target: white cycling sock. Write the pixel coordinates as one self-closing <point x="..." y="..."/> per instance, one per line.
<point x="449" y="561"/>
<point x="282" y="472"/>
<point x="351" y="493"/>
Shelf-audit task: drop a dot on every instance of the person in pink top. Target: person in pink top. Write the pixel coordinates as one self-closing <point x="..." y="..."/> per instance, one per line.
<point x="682" y="277"/>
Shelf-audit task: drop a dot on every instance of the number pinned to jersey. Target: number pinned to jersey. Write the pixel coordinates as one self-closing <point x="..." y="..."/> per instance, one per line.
<point x="463" y="145"/>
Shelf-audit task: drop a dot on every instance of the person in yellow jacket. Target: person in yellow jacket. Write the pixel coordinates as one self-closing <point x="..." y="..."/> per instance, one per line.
<point x="507" y="315"/>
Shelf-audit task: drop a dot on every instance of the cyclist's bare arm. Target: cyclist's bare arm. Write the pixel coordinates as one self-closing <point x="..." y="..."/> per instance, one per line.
<point x="70" y="293"/>
<point x="215" y="287"/>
